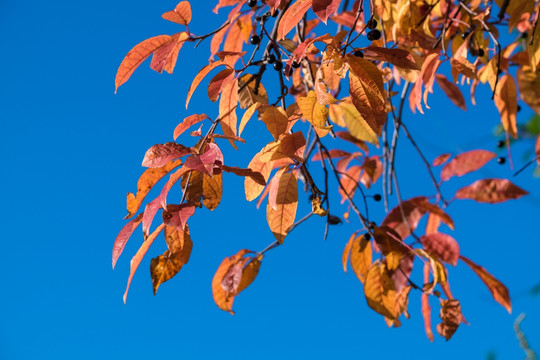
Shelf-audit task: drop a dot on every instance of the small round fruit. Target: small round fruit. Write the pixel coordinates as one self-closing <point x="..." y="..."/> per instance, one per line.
<point x="374" y="35"/>
<point x="518" y="108"/>
<point x="285" y="71"/>
<point x="271" y="59"/>
<point x="464" y="35"/>
<point x="295" y="65"/>
<point x="481" y="53"/>
<point x="358" y="53"/>
<point x="377" y="197"/>
<point x="278" y="66"/>
<point x="501" y="143"/>
<point x="276" y="13"/>
<point x="252" y="3"/>
<point x="372" y="24"/>
<point x="367" y="236"/>
<point x="501" y="160"/>
<point x="255" y="39"/>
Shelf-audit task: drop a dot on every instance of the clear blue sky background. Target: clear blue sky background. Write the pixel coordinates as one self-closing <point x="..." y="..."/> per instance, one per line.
<point x="72" y="149"/>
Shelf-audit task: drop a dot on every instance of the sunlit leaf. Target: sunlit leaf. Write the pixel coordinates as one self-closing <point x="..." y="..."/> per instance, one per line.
<point x="452" y="91"/>
<point x="227" y="109"/>
<point x="180" y="15"/>
<point x="443" y="246"/>
<point x="398" y="57"/>
<point x="198" y="78"/>
<point x="292" y="16"/>
<point x="466" y="162"/>
<point x="187" y="123"/>
<point x="379" y="291"/>
<point x="491" y="191"/>
<point x="123" y="237"/>
<point x="361" y="257"/>
<point x="506" y="101"/>
<point x="218" y="82"/>
<point x="159" y="155"/>
<point x="281" y="219"/>
<point x="325" y="8"/>
<point x="276" y="120"/>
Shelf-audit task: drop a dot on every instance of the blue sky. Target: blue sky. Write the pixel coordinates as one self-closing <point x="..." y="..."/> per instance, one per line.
<point x="73" y="149"/>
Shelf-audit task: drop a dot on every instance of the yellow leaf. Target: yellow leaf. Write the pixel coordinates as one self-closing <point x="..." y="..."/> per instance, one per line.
<point x="281" y="219"/>
<point x="316" y="206"/>
<point x="379" y="291"/>
<point x="357" y="125"/>
<point x="249" y="273"/>
<point x="529" y="87"/>
<point x="247" y="116"/>
<point x="315" y="113"/>
<point x="248" y="96"/>
<point x="276" y="120"/>
<point x="361" y="257"/>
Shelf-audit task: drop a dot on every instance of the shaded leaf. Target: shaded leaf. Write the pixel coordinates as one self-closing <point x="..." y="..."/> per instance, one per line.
<point x="159" y="155"/>
<point x="443" y="246"/>
<point x="136" y="56"/>
<point x="498" y="290"/>
<point x="441" y="159"/>
<point x="452" y="91"/>
<point x="177" y="215"/>
<point x="465" y="163"/>
<point x="123" y="237"/>
<point x="506" y="102"/>
<point x="529" y="87"/>
<point x="491" y="191"/>
<point x="398" y="57"/>
<point x="146" y="182"/>
<point x="325" y="8"/>
<point x="136" y="260"/>
<point x="218" y="82"/>
<point x="250" y="94"/>
<point x="163" y="268"/>
<point x="451" y="317"/>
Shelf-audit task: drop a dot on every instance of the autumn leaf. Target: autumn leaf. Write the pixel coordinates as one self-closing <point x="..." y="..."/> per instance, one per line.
<point x="358" y="127"/>
<point x="208" y="163"/>
<point x="451" y="317"/>
<point x="491" y="191"/>
<point x="398" y="57"/>
<point x="252" y="187"/>
<point x="252" y="92"/>
<point x="159" y="155"/>
<point x="452" y="91"/>
<point x="346" y="135"/>
<point x="218" y="82"/>
<point x="123" y="237"/>
<point x="379" y="290"/>
<point x="498" y="290"/>
<point x="199" y="77"/>
<point x="203" y="186"/>
<point x="254" y="175"/>
<point x="249" y="273"/>
<point x="276" y="120"/>
<point x="325" y="8"/>
<point x="136" y="56"/>
<point x="180" y="15"/>
<point x="136" y="260"/>
<point x="465" y="163"/>
<point x="146" y="182"/>
<point x="292" y="16"/>
<point x="361" y="257"/>
<point x="282" y="218"/>
<point x="506" y="102"/>
<point x="315" y="113"/>
<point x="187" y="123"/>
<point x="441" y="159"/>
<point x="177" y="215"/>
<point x="443" y="246"/>
<point x="166" y="56"/>
<point x="426" y="309"/>
<point x="227" y="109"/>
<point x="529" y="87"/>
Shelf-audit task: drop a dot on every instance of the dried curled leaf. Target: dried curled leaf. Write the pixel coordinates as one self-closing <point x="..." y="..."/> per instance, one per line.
<point x="451" y="318"/>
<point x="491" y="191"/>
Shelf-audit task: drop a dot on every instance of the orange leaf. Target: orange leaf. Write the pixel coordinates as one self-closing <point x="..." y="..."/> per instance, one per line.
<point x="281" y="219"/>
<point x="529" y="87"/>
<point x="379" y="291"/>
<point x="452" y="91"/>
<point x="198" y="78"/>
<point x="347" y="251"/>
<point x="165" y="57"/>
<point x="223" y="300"/>
<point x="537" y="150"/>
<point x="441" y="159"/>
<point x="506" y="102"/>
<point x="399" y="57"/>
<point x="257" y="164"/>
<point x="187" y="123"/>
<point x="159" y="155"/>
<point x="123" y="237"/>
<point x="136" y="260"/>
<point x="361" y="257"/>
<point x="250" y="95"/>
<point x="426" y="309"/>
<point x="498" y="290"/>
<point x="146" y="182"/>
<point x="292" y="16"/>
<point x="443" y="246"/>
<point x="276" y="120"/>
<point x="180" y="15"/>
<point x="249" y="273"/>
<point x="179" y="243"/>
<point x="465" y="163"/>
<point x="349" y="180"/>
<point x="136" y="56"/>
<point x="227" y="109"/>
<point x="254" y="175"/>
<point x="491" y="191"/>
<point x="218" y="82"/>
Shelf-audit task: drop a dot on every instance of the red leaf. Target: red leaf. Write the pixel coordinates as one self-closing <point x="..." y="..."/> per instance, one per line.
<point x="160" y="154"/>
<point x="292" y="16"/>
<point x="218" y="82"/>
<point x="165" y="57"/>
<point x="452" y="91"/>
<point x="426" y="309"/>
<point x="169" y="184"/>
<point x="254" y="175"/>
<point x="498" y="290"/>
<point x="136" y="260"/>
<point x="442" y="246"/>
<point x="325" y="8"/>
<point x="187" y="123"/>
<point x="465" y="163"/>
<point x="537" y="150"/>
<point x="136" y="56"/>
<point x="334" y="154"/>
<point x="177" y="215"/>
<point x="206" y="162"/>
<point x="123" y="237"/>
<point x="180" y="15"/>
<point x="150" y="212"/>
<point x="441" y="159"/>
<point x="399" y="57"/>
<point x="491" y="191"/>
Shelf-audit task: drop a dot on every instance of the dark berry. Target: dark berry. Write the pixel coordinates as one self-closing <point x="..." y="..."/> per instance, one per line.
<point x="367" y="236"/>
<point x="289" y="73"/>
<point x="524" y="35"/>
<point x="499" y="72"/>
<point x="276" y="13"/>
<point x="271" y="59"/>
<point x="464" y="35"/>
<point x="257" y="18"/>
<point x="518" y="108"/>
<point x="501" y="143"/>
<point x="255" y="39"/>
<point x="480" y="52"/>
<point x="372" y="24"/>
<point x="374" y="35"/>
<point x="295" y="65"/>
<point x="371" y="226"/>
<point x="501" y="160"/>
<point x="252" y="3"/>
<point x="333" y="220"/>
<point x="278" y="66"/>
<point x="359" y="53"/>
<point x="377" y="197"/>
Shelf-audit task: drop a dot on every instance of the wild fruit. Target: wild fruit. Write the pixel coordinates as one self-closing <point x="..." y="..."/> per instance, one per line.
<point x="255" y="39"/>
<point x="374" y="35"/>
<point x="278" y="66"/>
<point x="501" y="160"/>
<point x="372" y="24"/>
<point x="252" y="3"/>
<point x="358" y="53"/>
<point x="377" y="197"/>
